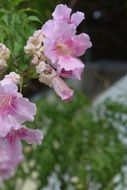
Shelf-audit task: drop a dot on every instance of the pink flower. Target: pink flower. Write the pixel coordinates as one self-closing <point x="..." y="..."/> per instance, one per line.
<point x="14" y="146"/>
<point x="12" y="77"/>
<point x="6" y="170"/>
<point x="49" y="77"/>
<point x="14" y="109"/>
<point x="11" y="149"/>
<point x="62" y="46"/>
<point x="61" y="88"/>
<point x="63" y="13"/>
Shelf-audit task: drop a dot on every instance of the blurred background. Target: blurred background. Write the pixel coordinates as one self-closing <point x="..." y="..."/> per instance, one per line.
<point x="85" y="140"/>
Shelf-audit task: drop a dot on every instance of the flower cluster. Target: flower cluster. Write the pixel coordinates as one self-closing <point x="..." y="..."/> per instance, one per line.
<point x="55" y="50"/>
<point x="4" y="55"/>
<point x="14" y="111"/>
<point x="34" y="44"/>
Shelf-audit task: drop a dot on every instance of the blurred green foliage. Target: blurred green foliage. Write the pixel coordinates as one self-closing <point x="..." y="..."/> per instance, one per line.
<point x="18" y="20"/>
<point x="16" y="25"/>
<point x="44" y="7"/>
<point x="77" y="145"/>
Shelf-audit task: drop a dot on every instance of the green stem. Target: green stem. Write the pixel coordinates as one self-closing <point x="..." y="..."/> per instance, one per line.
<point x="21" y="85"/>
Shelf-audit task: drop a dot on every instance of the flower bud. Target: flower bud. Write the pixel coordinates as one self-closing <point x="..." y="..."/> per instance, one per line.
<point x="12" y="77"/>
<point x="35" y="60"/>
<point x="61" y="88"/>
<point x="4" y="52"/>
<point x="47" y="75"/>
<point x="29" y="49"/>
<point x="40" y="52"/>
<point x="3" y="64"/>
<point x="41" y="67"/>
<point x="34" y="43"/>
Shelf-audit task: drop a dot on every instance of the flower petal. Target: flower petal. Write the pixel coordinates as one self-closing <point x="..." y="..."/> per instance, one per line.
<point x="62" y="12"/>
<point x="24" y="110"/>
<point x="1" y="89"/>
<point x="14" y="149"/>
<point x="30" y="135"/>
<point x="71" y="65"/>
<point x="47" y="28"/>
<point x="58" y="31"/>
<point x="10" y="88"/>
<point x="77" y="18"/>
<point x="7" y="123"/>
<point x="50" y="51"/>
<point x="79" y="44"/>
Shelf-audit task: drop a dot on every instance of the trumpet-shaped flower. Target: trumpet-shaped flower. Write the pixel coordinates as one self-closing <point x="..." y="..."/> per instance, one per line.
<point x="14" y="108"/>
<point x="62" y="47"/>
<point x="11" y="149"/>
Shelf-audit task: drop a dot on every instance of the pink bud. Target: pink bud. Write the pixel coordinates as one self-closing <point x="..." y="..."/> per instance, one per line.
<point x="62" y="89"/>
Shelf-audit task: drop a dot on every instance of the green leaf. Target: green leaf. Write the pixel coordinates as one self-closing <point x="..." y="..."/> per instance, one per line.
<point x="34" y="18"/>
<point x="25" y="10"/>
<point x="17" y="2"/>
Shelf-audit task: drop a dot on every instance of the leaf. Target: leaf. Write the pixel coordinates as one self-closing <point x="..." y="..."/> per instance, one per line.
<point x="34" y="18"/>
<point x="17" y="2"/>
<point x="29" y="10"/>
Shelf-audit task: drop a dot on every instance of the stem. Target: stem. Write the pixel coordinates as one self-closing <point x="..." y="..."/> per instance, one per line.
<point x="14" y="61"/>
<point x="21" y="85"/>
<point x="2" y="71"/>
<point x="16" y="57"/>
